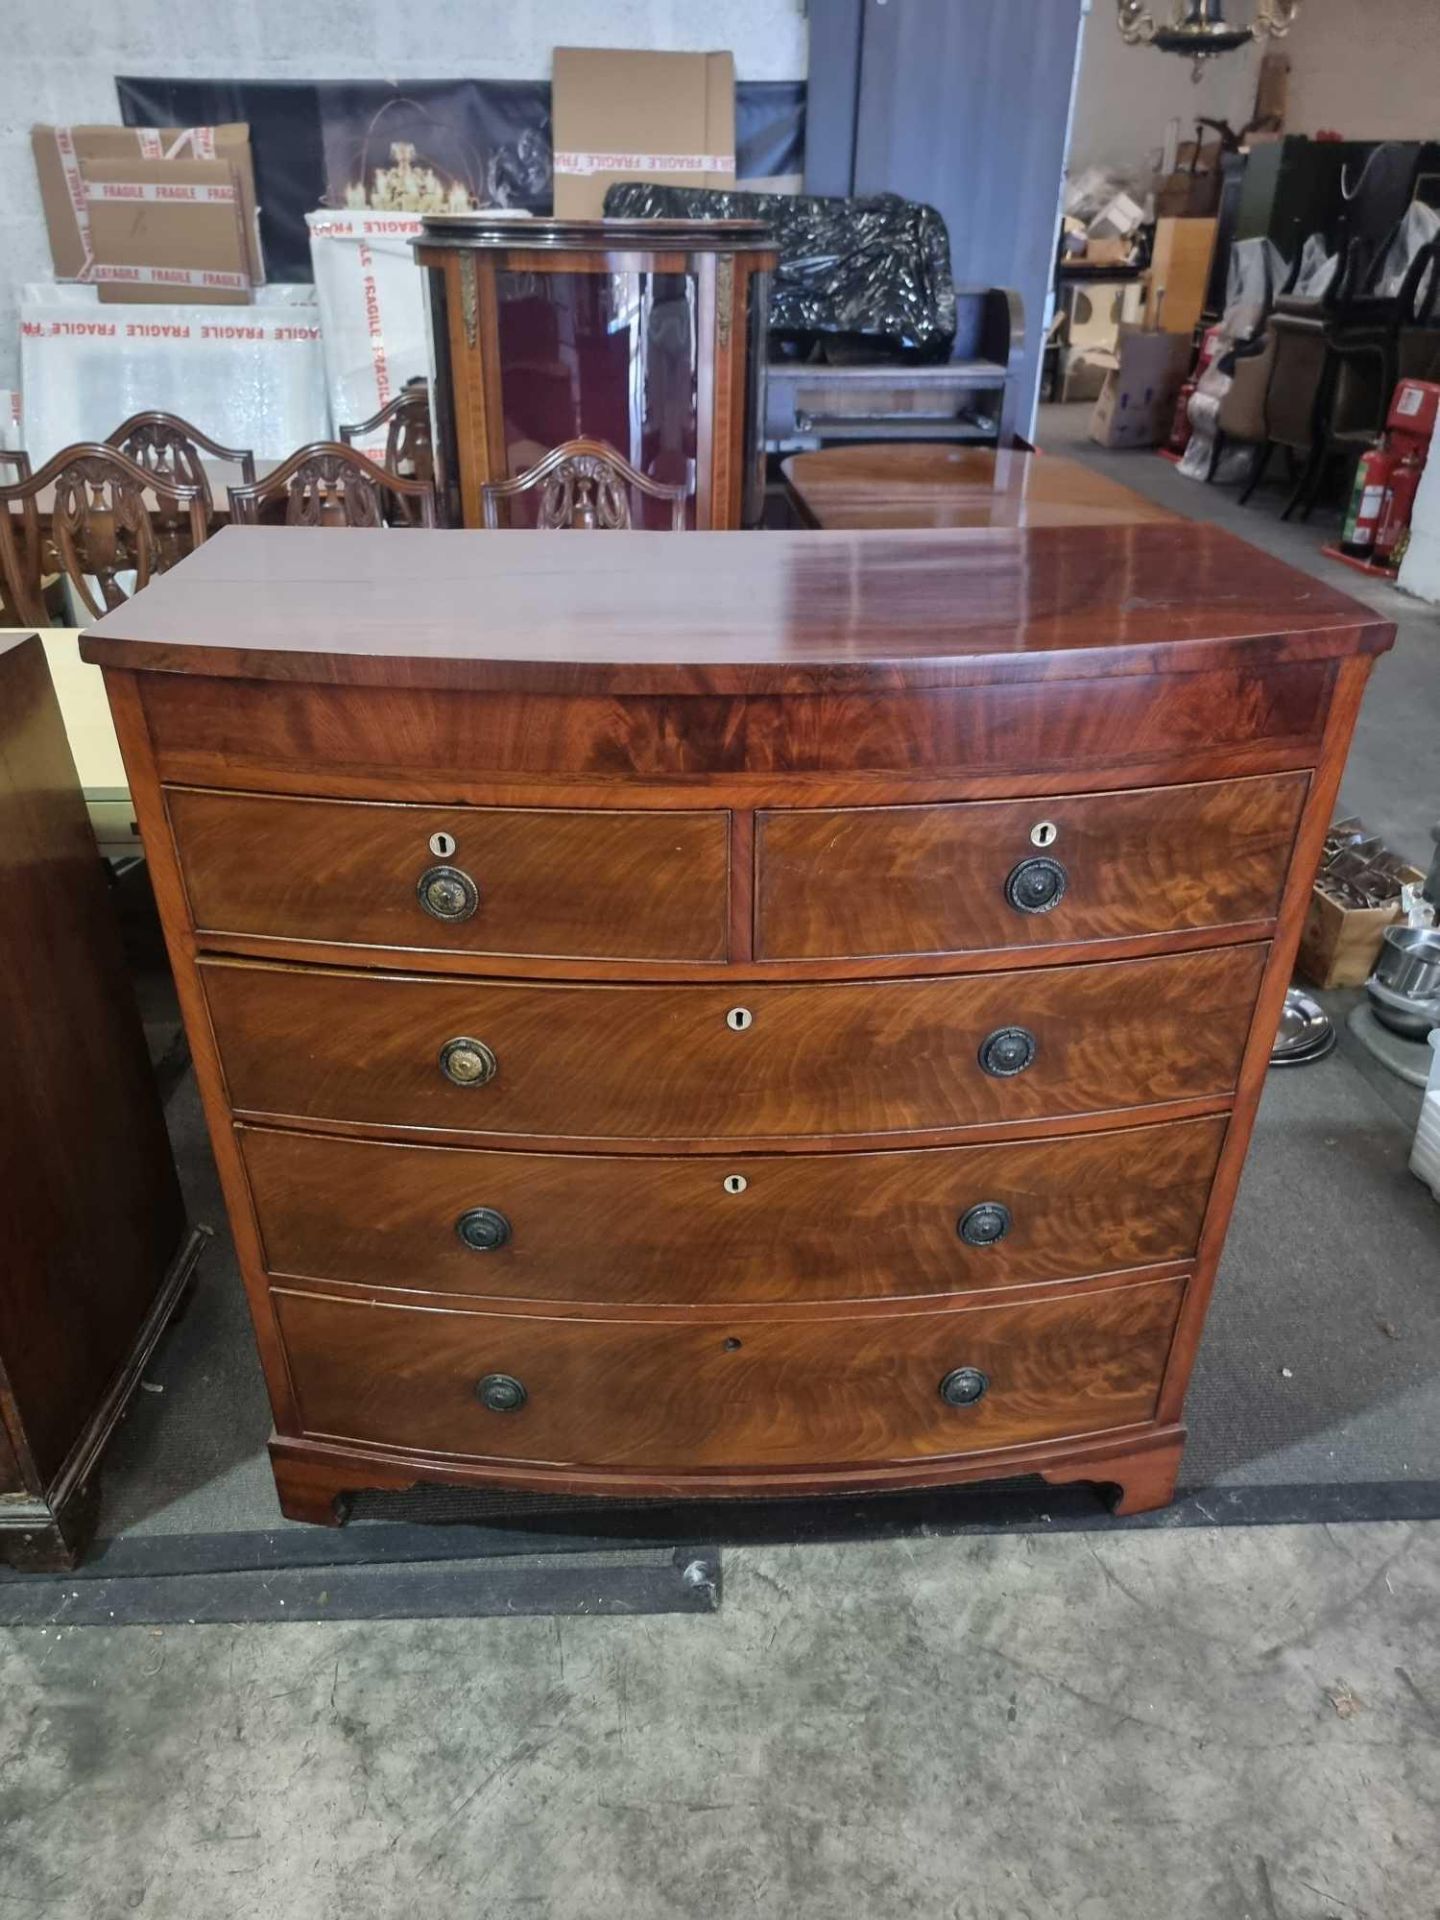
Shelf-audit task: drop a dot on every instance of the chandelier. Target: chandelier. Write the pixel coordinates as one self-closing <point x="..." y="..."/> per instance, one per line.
<point x="1198" y="28"/>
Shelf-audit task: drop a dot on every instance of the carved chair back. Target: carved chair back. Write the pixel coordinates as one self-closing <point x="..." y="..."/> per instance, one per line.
<point x="585" y="484"/>
<point x="328" y="484"/>
<point x="409" y="441"/>
<point x="172" y="449"/>
<point x="105" y="518"/>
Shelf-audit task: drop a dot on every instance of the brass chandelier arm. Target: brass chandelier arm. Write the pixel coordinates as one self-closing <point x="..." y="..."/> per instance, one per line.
<point x="1135" y="23"/>
<point x="1198" y="26"/>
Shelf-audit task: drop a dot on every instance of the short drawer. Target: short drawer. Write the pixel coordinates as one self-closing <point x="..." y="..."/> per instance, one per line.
<point x="698" y="1063"/>
<point x="464" y="880"/>
<point x="1023" y="873"/>
<point x="606" y="1229"/>
<point x="733" y="1394"/>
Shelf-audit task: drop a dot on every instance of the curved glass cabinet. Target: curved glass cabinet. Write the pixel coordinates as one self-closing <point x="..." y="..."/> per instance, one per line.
<point x="646" y="335"/>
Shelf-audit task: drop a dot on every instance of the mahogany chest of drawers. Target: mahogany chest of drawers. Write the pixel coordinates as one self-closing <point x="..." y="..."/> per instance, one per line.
<point x="731" y="1013"/>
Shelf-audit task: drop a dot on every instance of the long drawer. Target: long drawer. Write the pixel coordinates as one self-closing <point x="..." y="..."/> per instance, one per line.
<point x="610" y="1228"/>
<point x="697" y="1063"/>
<point x="539" y="881"/>
<point x="1022" y="873"/>
<point x="735" y="1394"/>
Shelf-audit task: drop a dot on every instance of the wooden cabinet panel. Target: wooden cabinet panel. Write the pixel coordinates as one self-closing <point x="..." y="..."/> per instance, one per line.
<point x="94" y="1220"/>
<point x="603" y="1062"/>
<point x="429" y="743"/>
<point x="803" y="1227"/>
<point x="747" y="1393"/>
<point x="898" y="880"/>
<point x="548" y="881"/>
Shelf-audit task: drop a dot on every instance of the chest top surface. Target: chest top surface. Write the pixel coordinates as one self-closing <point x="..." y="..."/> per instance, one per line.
<point x="748" y="613"/>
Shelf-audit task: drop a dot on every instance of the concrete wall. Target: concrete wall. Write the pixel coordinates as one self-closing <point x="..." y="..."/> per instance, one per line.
<point x="60" y="58"/>
<point x="1369" y="71"/>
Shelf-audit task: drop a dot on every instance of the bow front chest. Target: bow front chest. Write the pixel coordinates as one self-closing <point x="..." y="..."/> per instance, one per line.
<point x="731" y="1013"/>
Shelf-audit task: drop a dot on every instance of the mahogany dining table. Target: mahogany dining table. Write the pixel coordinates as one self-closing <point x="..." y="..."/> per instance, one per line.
<point x="925" y="484"/>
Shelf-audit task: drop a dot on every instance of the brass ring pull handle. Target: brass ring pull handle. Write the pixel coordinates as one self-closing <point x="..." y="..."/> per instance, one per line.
<point x="985" y="1223"/>
<point x="501" y="1393"/>
<point x="963" y="1386"/>
<point x="467" y="1063"/>
<point x="446" y="893"/>
<point x="1007" y="1051"/>
<point x="483" y="1229"/>
<point x="1036" y="885"/>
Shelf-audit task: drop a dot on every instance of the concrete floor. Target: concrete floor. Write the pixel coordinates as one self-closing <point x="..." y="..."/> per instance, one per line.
<point x="1227" y="1725"/>
<point x="1199" y="1725"/>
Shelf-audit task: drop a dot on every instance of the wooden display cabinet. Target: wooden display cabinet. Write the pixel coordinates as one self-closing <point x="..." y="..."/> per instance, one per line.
<point x="647" y="335"/>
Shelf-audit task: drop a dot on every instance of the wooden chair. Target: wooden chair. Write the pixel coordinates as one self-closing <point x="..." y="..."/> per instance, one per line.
<point x="328" y="484"/>
<point x="102" y="523"/>
<point x="171" y="449"/>
<point x="409" y="442"/>
<point x="586" y="486"/>
<point x="13" y="466"/>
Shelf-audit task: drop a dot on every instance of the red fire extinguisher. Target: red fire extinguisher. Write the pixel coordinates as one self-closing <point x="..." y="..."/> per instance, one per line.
<point x="1367" y="502"/>
<point x="1399" y="505"/>
<point x="1180" y="422"/>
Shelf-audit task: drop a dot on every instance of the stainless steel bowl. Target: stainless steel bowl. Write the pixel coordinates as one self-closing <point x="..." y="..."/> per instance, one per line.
<point x="1405" y="986"/>
<point x="1409" y="962"/>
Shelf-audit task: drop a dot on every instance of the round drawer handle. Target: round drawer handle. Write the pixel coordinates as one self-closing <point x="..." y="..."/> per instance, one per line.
<point x="447" y="894"/>
<point x="483" y="1229"/>
<point x="963" y="1386"/>
<point x="467" y="1063"/>
<point x="1007" y="1051"/>
<point x="1036" y="885"/>
<point x="985" y="1223"/>
<point x="501" y="1393"/>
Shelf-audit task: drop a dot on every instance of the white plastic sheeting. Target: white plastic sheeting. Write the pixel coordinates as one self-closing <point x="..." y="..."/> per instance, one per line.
<point x="372" y="311"/>
<point x="248" y="376"/>
<point x="1256" y="269"/>
<point x="1418" y="228"/>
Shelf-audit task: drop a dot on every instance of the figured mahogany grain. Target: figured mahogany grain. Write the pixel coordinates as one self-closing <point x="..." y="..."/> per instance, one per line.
<point x="598" y="884"/>
<point x="765" y="612"/>
<point x="424" y="744"/>
<point x="616" y="1063"/>
<point x="731" y="673"/>
<point x="740" y="1393"/>
<point x="616" y="1229"/>
<point x="901" y="880"/>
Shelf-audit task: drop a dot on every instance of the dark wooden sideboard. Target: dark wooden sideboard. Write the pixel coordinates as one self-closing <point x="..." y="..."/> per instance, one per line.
<point x="95" y="1253"/>
<point x="733" y="1013"/>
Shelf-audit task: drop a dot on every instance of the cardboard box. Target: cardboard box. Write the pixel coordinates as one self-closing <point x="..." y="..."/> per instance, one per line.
<point x="1191" y="191"/>
<point x="1107" y="253"/>
<point x="621" y="115"/>
<point x="1084" y="371"/>
<point x="61" y="154"/>
<point x="1138" y="399"/>
<point x="1340" y="945"/>
<point x="1095" y="311"/>
<point x="1179" y="274"/>
<point x="163" y="231"/>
